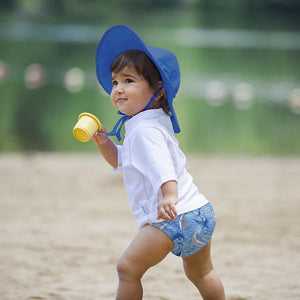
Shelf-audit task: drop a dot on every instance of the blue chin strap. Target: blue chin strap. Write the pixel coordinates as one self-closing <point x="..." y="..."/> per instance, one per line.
<point x="116" y="131"/>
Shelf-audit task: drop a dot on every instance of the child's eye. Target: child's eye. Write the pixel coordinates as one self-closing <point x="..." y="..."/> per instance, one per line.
<point x="114" y="83"/>
<point x="128" y="80"/>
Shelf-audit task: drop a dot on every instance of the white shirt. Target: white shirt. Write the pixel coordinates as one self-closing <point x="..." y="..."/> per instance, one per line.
<point x="149" y="157"/>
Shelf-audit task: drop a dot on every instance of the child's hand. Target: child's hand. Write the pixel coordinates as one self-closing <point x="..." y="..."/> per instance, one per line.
<point x="100" y="137"/>
<point x="166" y="208"/>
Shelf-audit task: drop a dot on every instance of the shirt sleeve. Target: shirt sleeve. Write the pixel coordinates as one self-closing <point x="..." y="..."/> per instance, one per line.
<point x="119" y="167"/>
<point x="150" y="155"/>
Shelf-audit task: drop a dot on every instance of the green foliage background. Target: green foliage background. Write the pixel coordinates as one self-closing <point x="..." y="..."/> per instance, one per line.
<point x="42" y="119"/>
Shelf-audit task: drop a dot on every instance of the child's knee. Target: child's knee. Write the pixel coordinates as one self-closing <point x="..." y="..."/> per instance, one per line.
<point x="126" y="269"/>
<point x="195" y="274"/>
<point x="123" y="267"/>
<point x="196" y="270"/>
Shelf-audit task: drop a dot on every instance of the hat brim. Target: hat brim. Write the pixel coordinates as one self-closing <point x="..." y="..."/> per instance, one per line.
<point x="121" y="38"/>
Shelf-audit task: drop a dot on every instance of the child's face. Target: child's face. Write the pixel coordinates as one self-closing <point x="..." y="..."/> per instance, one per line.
<point x="131" y="92"/>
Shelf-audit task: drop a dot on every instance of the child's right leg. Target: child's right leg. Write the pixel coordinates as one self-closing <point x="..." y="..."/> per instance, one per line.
<point x="148" y="248"/>
<point x="199" y="269"/>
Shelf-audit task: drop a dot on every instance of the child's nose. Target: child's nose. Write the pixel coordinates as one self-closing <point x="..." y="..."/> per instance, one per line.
<point x="119" y="88"/>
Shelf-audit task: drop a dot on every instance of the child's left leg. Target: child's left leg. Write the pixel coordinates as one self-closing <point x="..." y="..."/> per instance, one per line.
<point x="198" y="268"/>
<point x="148" y="248"/>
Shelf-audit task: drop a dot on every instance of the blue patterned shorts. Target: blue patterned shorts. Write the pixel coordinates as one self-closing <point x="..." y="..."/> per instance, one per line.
<point x="191" y="231"/>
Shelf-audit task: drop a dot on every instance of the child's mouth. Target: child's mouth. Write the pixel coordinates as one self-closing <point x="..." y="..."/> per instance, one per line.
<point x="121" y="100"/>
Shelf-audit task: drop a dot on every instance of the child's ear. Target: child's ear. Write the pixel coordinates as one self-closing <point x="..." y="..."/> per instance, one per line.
<point x="160" y="92"/>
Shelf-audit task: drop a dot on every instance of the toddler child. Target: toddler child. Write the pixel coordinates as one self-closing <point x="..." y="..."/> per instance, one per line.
<point x="172" y="215"/>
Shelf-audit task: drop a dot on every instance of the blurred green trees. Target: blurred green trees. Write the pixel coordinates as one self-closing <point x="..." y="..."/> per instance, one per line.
<point x="63" y="34"/>
<point x="60" y="6"/>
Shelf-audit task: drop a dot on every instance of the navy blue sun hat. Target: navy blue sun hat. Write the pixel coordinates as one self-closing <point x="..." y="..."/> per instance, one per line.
<point x="120" y="38"/>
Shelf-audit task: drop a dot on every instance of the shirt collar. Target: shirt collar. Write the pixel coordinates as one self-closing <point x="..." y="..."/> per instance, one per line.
<point x="144" y="115"/>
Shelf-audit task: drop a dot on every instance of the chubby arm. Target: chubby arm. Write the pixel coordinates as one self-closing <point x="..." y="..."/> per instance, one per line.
<point x="166" y="208"/>
<point x="106" y="146"/>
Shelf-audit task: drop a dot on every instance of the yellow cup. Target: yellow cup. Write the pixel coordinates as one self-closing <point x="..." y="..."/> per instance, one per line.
<point x="86" y="127"/>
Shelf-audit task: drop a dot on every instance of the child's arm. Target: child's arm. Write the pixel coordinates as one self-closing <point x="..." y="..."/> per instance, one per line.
<point x="166" y="208"/>
<point x="106" y="146"/>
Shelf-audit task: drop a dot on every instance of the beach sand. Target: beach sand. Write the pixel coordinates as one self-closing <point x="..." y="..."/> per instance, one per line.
<point x="65" y="220"/>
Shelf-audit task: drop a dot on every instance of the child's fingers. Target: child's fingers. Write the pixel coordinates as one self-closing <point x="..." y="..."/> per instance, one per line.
<point x="174" y="212"/>
<point x="162" y="214"/>
<point x="100" y="137"/>
<point x="96" y="137"/>
<point x="166" y="213"/>
<point x="171" y="211"/>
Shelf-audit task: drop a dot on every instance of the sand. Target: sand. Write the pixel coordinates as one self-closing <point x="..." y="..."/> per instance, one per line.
<point x="65" y="220"/>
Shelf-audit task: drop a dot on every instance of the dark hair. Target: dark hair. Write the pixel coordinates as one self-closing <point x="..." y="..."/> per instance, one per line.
<point x="146" y="68"/>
